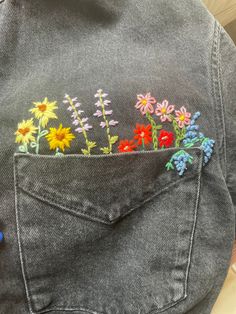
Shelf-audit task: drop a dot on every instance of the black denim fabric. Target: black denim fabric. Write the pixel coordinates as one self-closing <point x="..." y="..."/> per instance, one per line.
<point x="116" y="233"/>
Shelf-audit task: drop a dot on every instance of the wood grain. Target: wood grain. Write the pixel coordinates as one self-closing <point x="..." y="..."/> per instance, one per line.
<point x="223" y="10"/>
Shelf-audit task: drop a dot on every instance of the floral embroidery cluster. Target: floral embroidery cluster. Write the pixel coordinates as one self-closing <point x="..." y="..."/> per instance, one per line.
<point x="30" y="132"/>
<point x="185" y="132"/>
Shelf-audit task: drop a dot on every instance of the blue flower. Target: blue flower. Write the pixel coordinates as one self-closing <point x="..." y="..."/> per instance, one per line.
<point x="207" y="146"/>
<point x="179" y="160"/>
<point x="192" y="135"/>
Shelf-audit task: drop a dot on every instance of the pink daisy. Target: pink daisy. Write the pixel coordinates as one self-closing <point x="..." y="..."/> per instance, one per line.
<point x="145" y="103"/>
<point x="182" y="117"/>
<point x="163" y="110"/>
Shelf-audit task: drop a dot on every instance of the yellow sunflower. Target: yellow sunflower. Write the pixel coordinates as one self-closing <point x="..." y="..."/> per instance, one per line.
<point x="59" y="138"/>
<point x="44" y="111"/>
<point x="25" y="131"/>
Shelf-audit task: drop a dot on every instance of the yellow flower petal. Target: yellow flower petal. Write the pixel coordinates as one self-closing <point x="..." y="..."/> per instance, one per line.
<point x="44" y="110"/>
<point x="25" y="131"/>
<point x="59" y="138"/>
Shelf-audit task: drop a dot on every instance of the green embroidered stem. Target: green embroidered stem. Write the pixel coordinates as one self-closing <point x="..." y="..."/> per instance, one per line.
<point x="38" y="137"/>
<point x="179" y="133"/>
<point x="143" y="145"/>
<point x="109" y="148"/>
<point x="58" y="153"/>
<point x="89" y="144"/>
<point x="155" y="127"/>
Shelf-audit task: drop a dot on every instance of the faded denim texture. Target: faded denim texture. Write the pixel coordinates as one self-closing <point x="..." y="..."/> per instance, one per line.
<point x="115" y="234"/>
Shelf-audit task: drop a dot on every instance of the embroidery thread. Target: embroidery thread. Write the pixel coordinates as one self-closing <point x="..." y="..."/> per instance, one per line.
<point x="84" y="126"/>
<point x="106" y="123"/>
<point x="184" y="134"/>
<point x="59" y="139"/>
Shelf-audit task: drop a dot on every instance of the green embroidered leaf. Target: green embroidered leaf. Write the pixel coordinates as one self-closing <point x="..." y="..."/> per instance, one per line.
<point x="43" y="133"/>
<point x="22" y="149"/>
<point x="158" y="126"/>
<point x="169" y="166"/>
<point x="114" y="139"/>
<point x="176" y="128"/>
<point x="105" y="150"/>
<point x="183" y="133"/>
<point x="59" y="154"/>
<point x="188" y="145"/>
<point x="91" y="144"/>
<point x="33" y="144"/>
<point x="85" y="151"/>
<point x="190" y="160"/>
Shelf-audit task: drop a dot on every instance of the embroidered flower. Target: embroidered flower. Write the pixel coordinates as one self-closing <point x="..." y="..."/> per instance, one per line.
<point x="143" y="134"/>
<point x="84" y="126"/>
<point x="126" y="146"/>
<point x="193" y="136"/>
<point x="44" y="111"/>
<point x="59" y="138"/>
<point x="113" y="122"/>
<point x="207" y="146"/>
<point x="163" y="110"/>
<point x="165" y="138"/>
<point x="100" y="94"/>
<point x="179" y="160"/>
<point x="145" y="103"/>
<point x="185" y="130"/>
<point x="25" y="132"/>
<point x="182" y="117"/>
<point x="106" y="123"/>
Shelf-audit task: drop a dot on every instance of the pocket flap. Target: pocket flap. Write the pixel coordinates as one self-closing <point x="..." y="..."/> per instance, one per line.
<point x="100" y="187"/>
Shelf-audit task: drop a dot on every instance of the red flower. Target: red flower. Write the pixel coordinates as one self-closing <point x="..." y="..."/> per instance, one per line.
<point x="165" y="138"/>
<point x="126" y="146"/>
<point x="143" y="134"/>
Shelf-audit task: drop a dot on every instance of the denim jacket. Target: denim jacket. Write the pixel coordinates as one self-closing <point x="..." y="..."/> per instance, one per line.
<point x="117" y="156"/>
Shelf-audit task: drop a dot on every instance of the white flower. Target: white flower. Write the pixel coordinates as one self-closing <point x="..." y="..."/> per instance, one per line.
<point x="113" y="122"/>
<point x="108" y="112"/>
<point x="87" y="127"/>
<point x="79" y="130"/>
<point x="100" y="94"/>
<point x="103" y="124"/>
<point x="98" y="113"/>
<point x="106" y="102"/>
<point x="75" y="122"/>
<point x="74" y="115"/>
<point x="98" y="104"/>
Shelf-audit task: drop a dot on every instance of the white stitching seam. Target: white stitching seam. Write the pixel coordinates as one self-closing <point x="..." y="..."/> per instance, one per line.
<point x="19" y="242"/>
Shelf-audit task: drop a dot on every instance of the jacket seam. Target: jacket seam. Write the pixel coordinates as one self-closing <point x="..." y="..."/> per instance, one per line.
<point x="218" y="97"/>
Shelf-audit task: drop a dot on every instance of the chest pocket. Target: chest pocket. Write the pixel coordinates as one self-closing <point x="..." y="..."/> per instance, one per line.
<point x="105" y="234"/>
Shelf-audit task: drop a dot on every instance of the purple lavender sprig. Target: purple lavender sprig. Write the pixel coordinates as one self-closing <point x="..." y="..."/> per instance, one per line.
<point x="82" y="123"/>
<point x="103" y="111"/>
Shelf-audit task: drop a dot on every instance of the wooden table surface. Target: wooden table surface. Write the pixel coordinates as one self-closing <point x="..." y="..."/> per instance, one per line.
<point x="223" y="10"/>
